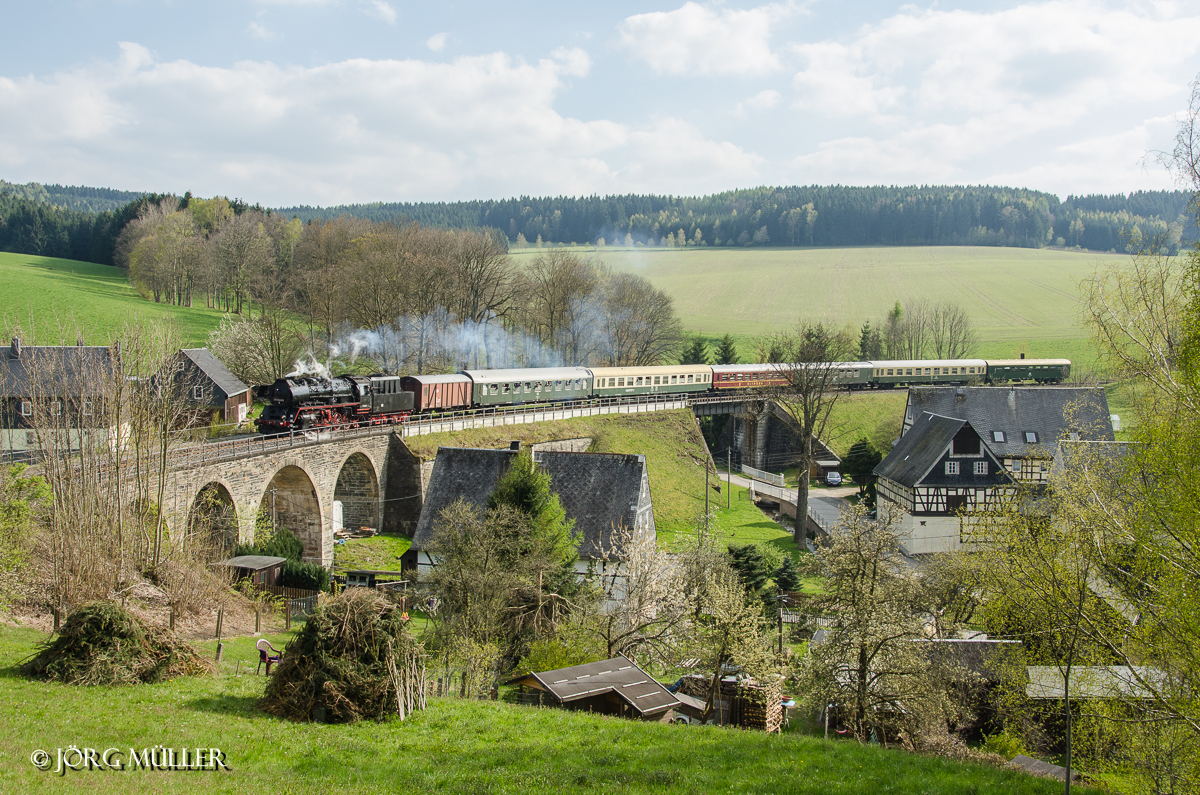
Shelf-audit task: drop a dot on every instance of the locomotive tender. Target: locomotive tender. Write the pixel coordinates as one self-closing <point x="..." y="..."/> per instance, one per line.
<point x="298" y="403"/>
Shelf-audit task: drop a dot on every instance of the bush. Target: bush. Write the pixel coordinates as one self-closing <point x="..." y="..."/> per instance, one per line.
<point x="345" y="661"/>
<point x="1005" y="744"/>
<point x="309" y="576"/>
<point x="104" y="644"/>
<point x="283" y="544"/>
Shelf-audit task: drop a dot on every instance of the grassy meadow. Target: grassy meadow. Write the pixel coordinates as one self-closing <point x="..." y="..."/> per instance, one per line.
<point x="55" y="301"/>
<point x="1021" y="300"/>
<point x="453" y="747"/>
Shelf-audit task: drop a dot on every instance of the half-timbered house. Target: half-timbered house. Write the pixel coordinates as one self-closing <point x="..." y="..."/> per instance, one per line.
<point x="938" y="475"/>
<point x="1023" y="424"/>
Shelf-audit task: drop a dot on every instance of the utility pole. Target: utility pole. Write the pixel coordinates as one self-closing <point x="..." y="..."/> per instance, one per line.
<point x="705" y="495"/>
<point x="272" y="493"/>
<point x="728" y="475"/>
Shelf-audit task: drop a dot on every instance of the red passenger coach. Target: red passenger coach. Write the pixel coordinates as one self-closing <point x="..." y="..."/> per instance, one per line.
<point x="445" y="392"/>
<point x="747" y="376"/>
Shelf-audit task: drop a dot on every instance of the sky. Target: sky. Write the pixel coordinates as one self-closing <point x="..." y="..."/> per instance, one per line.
<point x="322" y="102"/>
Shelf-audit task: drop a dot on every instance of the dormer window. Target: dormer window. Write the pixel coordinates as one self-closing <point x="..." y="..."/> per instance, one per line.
<point x="1031" y="437"/>
<point x="998" y="436"/>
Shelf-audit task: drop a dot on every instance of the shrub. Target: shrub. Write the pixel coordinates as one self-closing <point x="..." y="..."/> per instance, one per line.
<point x="309" y="576"/>
<point x="1005" y="744"/>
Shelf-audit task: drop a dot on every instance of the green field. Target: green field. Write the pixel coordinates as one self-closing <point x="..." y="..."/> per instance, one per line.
<point x="453" y="747"/>
<point x="56" y="301"/>
<point x="1019" y="299"/>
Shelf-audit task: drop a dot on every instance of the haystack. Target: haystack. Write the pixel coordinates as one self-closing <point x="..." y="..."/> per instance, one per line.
<point x="354" y="659"/>
<point x="104" y="644"/>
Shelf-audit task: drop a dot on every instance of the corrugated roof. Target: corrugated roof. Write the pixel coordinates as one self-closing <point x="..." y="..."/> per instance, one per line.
<point x="252" y="562"/>
<point x="919" y="449"/>
<point x="618" y="676"/>
<point x="216" y="370"/>
<point x="454" y="378"/>
<point x="1043" y="410"/>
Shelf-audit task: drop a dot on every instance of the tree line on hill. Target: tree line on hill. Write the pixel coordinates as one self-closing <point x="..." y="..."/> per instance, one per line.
<point x="84" y="223"/>
<point x="806" y="216"/>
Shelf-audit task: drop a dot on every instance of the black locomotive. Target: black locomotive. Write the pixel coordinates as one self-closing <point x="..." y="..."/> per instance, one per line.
<point x="294" y="404"/>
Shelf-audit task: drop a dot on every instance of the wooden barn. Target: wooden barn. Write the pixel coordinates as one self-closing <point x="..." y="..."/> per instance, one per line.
<point x="610" y="687"/>
<point x="259" y="569"/>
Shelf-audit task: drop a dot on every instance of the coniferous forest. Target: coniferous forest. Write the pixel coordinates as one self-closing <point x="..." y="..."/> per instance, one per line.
<point x="83" y="223"/>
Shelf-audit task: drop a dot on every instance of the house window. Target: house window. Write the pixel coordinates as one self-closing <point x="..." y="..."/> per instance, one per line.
<point x="997" y="436"/>
<point x="26" y="408"/>
<point x="28" y="437"/>
<point x="198" y="392"/>
<point x="951" y="467"/>
<point x="1030" y="437"/>
<point x="56" y="408"/>
<point x="87" y="408"/>
<point x="981" y="467"/>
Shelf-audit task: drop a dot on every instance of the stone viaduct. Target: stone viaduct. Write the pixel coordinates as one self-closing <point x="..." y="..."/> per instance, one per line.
<point x="298" y="482"/>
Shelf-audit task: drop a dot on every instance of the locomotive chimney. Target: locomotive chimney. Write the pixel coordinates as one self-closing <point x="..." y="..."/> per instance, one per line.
<point x="1022" y="356"/>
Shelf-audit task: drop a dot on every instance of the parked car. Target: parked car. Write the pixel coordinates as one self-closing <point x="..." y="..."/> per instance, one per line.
<point x="833" y="478"/>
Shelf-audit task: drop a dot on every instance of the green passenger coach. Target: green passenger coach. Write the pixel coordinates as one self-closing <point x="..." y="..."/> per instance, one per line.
<point x="623" y="381"/>
<point x="1043" y="371"/>
<point x="528" y="385"/>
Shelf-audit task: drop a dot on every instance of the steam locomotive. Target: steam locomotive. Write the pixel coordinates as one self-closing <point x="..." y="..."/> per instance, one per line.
<point x="299" y="403"/>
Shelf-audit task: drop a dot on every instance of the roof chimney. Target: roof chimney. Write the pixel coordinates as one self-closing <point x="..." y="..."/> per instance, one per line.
<point x="514" y="445"/>
<point x="14" y="352"/>
<point x="79" y="342"/>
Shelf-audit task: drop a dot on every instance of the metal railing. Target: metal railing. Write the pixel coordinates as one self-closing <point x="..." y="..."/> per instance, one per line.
<point x="765" y="477"/>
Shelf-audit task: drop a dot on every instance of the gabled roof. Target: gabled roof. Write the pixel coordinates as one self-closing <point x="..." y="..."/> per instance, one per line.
<point x="600" y="491"/>
<point x="618" y="676"/>
<point x="1095" y="681"/>
<point x="1043" y="410"/>
<point x="216" y="371"/>
<point x="54" y="370"/>
<point x="919" y="449"/>
<point x="465" y="473"/>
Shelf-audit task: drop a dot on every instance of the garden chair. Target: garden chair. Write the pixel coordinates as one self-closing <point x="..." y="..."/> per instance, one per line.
<point x="265" y="655"/>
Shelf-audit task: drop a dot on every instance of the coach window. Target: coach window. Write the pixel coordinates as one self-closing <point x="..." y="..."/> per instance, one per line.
<point x="528" y="386"/>
<point x="926" y="371"/>
<point x="672" y="379"/>
<point x="504" y="389"/>
<point x="689" y="379"/>
<point x="908" y="371"/>
<point x="558" y="386"/>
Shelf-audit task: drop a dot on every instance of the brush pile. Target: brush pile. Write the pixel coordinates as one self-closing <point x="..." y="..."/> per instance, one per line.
<point x="354" y="659"/>
<point x="104" y="644"/>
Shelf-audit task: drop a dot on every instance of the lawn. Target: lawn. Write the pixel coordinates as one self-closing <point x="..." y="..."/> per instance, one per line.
<point x="453" y="747"/>
<point x="56" y="301"/>
<point x="381" y="553"/>
<point x="1019" y="299"/>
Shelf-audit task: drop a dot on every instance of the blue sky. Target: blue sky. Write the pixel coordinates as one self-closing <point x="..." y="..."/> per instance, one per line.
<point x="331" y="101"/>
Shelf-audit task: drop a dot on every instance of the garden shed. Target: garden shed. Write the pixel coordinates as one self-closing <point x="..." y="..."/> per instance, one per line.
<point x="259" y="569"/>
<point x="609" y="687"/>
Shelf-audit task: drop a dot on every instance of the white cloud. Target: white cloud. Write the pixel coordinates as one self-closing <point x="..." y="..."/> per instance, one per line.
<point x="436" y="42"/>
<point x="932" y="95"/>
<point x="356" y="130"/>
<point x="763" y="100"/>
<point x="382" y="11"/>
<point x="259" y="32"/>
<point x="702" y="40"/>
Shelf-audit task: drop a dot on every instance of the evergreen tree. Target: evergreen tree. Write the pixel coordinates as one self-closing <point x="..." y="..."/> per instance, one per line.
<point x="860" y="462"/>
<point x="787" y="576"/>
<point x="527" y="489"/>
<point x="696" y="351"/>
<point x="727" y="353"/>
<point x="751" y="565"/>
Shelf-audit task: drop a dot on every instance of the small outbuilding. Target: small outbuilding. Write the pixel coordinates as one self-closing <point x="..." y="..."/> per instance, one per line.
<point x="259" y="569"/>
<point x="610" y="687"/>
<point x="210" y="387"/>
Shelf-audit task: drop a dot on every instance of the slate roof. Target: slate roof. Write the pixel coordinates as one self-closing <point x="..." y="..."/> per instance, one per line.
<point x="459" y="472"/>
<point x="618" y="676"/>
<point x="984" y="657"/>
<point x="919" y="449"/>
<point x="600" y="491"/>
<point x="1015" y="410"/>
<point x="216" y="371"/>
<point x="61" y="370"/>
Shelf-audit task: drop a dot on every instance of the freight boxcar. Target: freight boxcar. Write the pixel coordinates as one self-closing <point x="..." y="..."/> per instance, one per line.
<point x="528" y="385"/>
<point x="747" y="376"/>
<point x="438" y="392"/>
<point x="622" y="381"/>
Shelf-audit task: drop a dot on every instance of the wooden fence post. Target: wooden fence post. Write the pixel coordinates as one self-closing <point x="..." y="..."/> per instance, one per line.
<point x="172" y="617"/>
<point x="257" y="619"/>
<point x="220" y="617"/>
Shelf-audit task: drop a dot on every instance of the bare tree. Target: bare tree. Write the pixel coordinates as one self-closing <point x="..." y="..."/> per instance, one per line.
<point x="951" y="334"/>
<point x="240" y="251"/>
<point x="639" y="325"/>
<point x="813" y="374"/>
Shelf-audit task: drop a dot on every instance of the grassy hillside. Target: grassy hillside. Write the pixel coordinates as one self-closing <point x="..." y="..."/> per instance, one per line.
<point x="57" y="300"/>
<point x="675" y="455"/>
<point x="1019" y="299"/>
<point x="453" y="747"/>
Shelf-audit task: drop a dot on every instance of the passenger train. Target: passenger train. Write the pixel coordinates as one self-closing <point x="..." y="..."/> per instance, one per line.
<point x="351" y="400"/>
